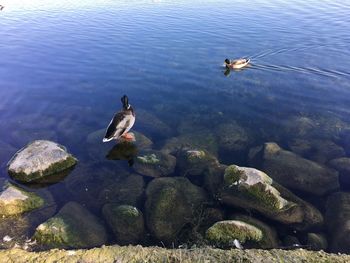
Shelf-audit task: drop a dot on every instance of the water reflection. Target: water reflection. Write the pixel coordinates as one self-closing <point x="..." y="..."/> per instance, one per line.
<point x="123" y="151"/>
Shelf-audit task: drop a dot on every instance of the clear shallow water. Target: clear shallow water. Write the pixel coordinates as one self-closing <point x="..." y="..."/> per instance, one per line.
<point x="64" y="67"/>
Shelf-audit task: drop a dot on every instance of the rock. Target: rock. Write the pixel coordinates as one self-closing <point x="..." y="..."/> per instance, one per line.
<point x="171" y="202"/>
<point x="151" y="124"/>
<point x="72" y="227"/>
<point x="338" y="221"/>
<point x="203" y="139"/>
<point x="211" y="215"/>
<point x="194" y="162"/>
<point x="319" y="151"/>
<point x="40" y="159"/>
<point x="250" y="188"/>
<point x="224" y="233"/>
<point x="127" y="190"/>
<point x="15" y="201"/>
<point x="342" y="165"/>
<point x="293" y="171"/>
<point x="126" y="222"/>
<point x="213" y="178"/>
<point x="154" y="163"/>
<point x="317" y="241"/>
<point x="269" y="234"/>
<point x="232" y="137"/>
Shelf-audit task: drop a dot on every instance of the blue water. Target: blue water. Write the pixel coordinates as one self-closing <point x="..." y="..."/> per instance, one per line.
<point x="64" y="67"/>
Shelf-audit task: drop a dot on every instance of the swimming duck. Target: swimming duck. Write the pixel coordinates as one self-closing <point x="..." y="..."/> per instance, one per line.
<point x="237" y="63"/>
<point x="121" y="123"/>
<point x="1" y="7"/>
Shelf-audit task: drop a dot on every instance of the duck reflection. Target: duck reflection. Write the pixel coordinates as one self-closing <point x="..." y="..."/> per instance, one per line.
<point x="123" y="151"/>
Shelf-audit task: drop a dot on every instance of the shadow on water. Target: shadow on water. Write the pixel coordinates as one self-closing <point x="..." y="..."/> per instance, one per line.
<point x="123" y="151"/>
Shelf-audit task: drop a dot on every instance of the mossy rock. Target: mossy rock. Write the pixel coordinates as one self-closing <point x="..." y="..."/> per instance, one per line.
<point x="171" y="203"/>
<point x="194" y="161"/>
<point x="72" y="227"/>
<point x="40" y="159"/>
<point x="154" y="163"/>
<point x="126" y="222"/>
<point x="223" y="233"/>
<point x="15" y="201"/>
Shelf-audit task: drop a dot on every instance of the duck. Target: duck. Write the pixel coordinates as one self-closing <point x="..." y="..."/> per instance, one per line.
<point x="1" y="7"/>
<point x="237" y="63"/>
<point x="121" y="122"/>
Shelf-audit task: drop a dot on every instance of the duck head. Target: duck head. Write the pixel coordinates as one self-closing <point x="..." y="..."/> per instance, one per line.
<point x="125" y="102"/>
<point x="227" y="62"/>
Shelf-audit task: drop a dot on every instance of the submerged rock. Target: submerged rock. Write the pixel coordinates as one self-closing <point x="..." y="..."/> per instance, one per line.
<point x="40" y="159"/>
<point x="126" y="190"/>
<point x="154" y="163"/>
<point x="223" y="233"/>
<point x="250" y="188"/>
<point x="151" y="124"/>
<point x="194" y="162"/>
<point x="15" y="201"/>
<point x="338" y="221"/>
<point x="126" y="222"/>
<point x="317" y="241"/>
<point x="232" y="137"/>
<point x="73" y="227"/>
<point x="171" y="202"/>
<point x="293" y="171"/>
<point x="342" y="165"/>
<point x="269" y="234"/>
<point x="203" y="139"/>
<point x="319" y="151"/>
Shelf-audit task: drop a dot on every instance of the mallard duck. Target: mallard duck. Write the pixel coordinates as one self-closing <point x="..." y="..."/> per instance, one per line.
<point x="237" y="63"/>
<point x="1" y="7"/>
<point x="121" y="123"/>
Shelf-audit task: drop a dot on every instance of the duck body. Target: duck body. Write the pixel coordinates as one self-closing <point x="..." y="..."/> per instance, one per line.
<point x="121" y="122"/>
<point x="237" y="63"/>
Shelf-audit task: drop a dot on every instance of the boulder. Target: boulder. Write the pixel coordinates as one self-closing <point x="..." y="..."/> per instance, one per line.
<point x="293" y="171"/>
<point x="319" y="151"/>
<point x="194" y="162"/>
<point x="317" y="241"/>
<point x="223" y="233"/>
<point x="126" y="222"/>
<point x="203" y="139"/>
<point x="126" y="190"/>
<point x="338" y="221"/>
<point x="269" y="239"/>
<point x="171" y="203"/>
<point x="342" y="165"/>
<point x="72" y="227"/>
<point x="151" y="124"/>
<point x="15" y="201"/>
<point x="38" y="160"/>
<point x="250" y="188"/>
<point x="154" y="163"/>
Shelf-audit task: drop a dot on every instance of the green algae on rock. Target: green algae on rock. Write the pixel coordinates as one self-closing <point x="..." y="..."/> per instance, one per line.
<point x="171" y="202"/>
<point x="126" y="222"/>
<point x="154" y="163"/>
<point x="15" y="201"/>
<point x="73" y="227"/>
<point x="39" y="159"/>
<point x="136" y="254"/>
<point x="223" y="233"/>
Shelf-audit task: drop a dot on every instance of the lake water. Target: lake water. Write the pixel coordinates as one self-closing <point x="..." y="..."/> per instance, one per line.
<point x="64" y="67"/>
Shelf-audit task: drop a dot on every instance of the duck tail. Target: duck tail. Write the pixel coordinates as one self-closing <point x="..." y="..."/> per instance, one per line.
<point x="107" y="139"/>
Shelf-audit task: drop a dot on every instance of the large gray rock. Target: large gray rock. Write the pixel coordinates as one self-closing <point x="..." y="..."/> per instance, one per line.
<point x="250" y="188"/>
<point x="317" y="241"/>
<point x="293" y="171"/>
<point x="126" y="222"/>
<point x="73" y="227"/>
<point x="154" y="163"/>
<point x="171" y="202"/>
<point x="38" y="160"/>
<point x="338" y="221"/>
<point x="232" y="137"/>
